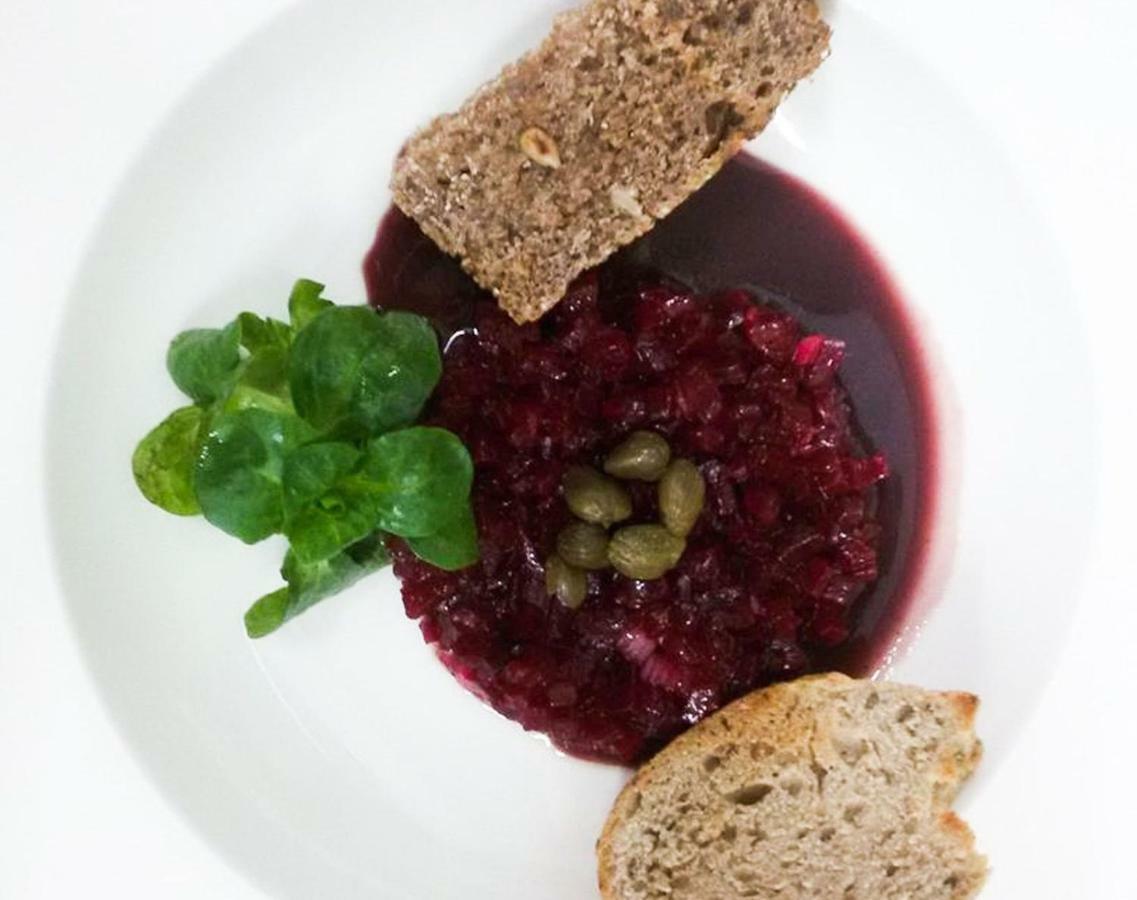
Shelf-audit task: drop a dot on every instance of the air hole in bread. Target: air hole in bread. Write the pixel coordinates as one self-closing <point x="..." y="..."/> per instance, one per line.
<point x="760" y="750"/>
<point x="907" y="711"/>
<point x="890" y="870"/>
<point x="711" y="763"/>
<point x="721" y="118"/>
<point x="750" y="795"/>
<point x="851" y="750"/>
<point x="767" y="71"/>
<point x="765" y="89"/>
<point x="853" y="812"/>
<point x="827" y="834"/>
<point x="745" y="14"/>
<point x="872" y="700"/>
<point x="793" y="788"/>
<point x="729" y="833"/>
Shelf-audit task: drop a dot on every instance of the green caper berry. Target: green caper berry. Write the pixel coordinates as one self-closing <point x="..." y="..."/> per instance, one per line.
<point x="595" y="498"/>
<point x="682" y="493"/>
<point x="642" y="456"/>
<point x="567" y="583"/>
<point x="583" y="545"/>
<point x="645" y="552"/>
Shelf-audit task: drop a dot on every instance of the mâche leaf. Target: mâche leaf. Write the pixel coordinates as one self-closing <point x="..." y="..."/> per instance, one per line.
<point x="327" y="507"/>
<point x="258" y="334"/>
<point x="267" y="614"/>
<point x="313" y="470"/>
<point x="306" y="429"/>
<point x="262" y="383"/>
<point x="454" y="547"/>
<point x="423" y="476"/>
<point x="238" y="474"/>
<point x="306" y="303"/>
<point x="401" y="371"/>
<point x="164" y="460"/>
<point x="354" y="373"/>
<point x="203" y="362"/>
<point x="309" y="584"/>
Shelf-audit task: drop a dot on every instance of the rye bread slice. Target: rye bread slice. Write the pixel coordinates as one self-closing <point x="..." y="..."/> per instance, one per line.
<point x="821" y="788"/>
<point x="627" y="108"/>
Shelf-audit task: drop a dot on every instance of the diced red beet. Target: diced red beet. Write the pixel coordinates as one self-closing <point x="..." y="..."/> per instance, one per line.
<point x="769" y="584"/>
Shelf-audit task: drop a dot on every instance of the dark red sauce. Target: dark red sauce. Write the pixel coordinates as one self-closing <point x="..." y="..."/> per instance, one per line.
<point x="722" y="329"/>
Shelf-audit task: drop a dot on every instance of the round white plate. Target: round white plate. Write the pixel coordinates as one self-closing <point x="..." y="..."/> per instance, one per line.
<point x="338" y="759"/>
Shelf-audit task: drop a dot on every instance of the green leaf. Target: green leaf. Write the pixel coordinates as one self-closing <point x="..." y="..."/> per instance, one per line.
<point x="237" y="478"/>
<point x="312" y="583"/>
<point x="163" y="462"/>
<point x="203" y="362"/>
<point x="454" y="547"/>
<point x="423" y="477"/>
<point x="309" y="584"/>
<point x="267" y="614"/>
<point x="259" y="334"/>
<point x="311" y="471"/>
<point x="262" y="380"/>
<point x="245" y="455"/>
<point x="326" y="507"/>
<point x="357" y="373"/>
<point x="263" y="383"/>
<point x="306" y="303"/>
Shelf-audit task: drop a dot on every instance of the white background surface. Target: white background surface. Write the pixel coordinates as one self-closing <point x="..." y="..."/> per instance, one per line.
<point x="82" y="84"/>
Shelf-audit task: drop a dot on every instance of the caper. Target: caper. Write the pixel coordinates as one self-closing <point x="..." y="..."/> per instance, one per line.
<point x="567" y="583"/>
<point x="644" y="456"/>
<point x="583" y="545"/>
<point x="682" y="493"/>
<point x="596" y="498"/>
<point x="645" y="552"/>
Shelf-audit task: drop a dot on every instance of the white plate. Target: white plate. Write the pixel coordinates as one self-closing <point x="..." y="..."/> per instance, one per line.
<point x="338" y="759"/>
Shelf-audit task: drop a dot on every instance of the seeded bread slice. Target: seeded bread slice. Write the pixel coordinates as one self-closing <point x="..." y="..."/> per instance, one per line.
<point x="579" y="147"/>
<point x="820" y="788"/>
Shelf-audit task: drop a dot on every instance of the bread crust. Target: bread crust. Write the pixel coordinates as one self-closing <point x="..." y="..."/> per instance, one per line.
<point x="642" y="100"/>
<point x="793" y="720"/>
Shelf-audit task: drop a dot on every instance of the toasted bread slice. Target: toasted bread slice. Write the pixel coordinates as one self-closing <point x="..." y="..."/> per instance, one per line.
<point x="578" y="148"/>
<point x="821" y="788"/>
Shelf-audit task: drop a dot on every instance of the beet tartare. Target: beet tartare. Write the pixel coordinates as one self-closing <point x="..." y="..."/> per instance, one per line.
<point x="772" y="570"/>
